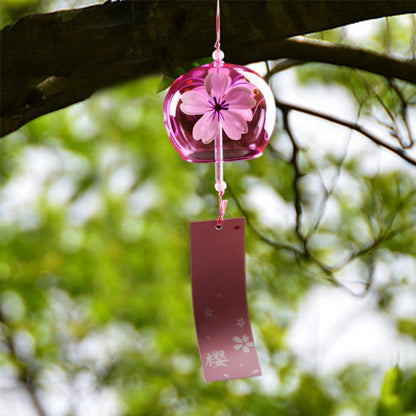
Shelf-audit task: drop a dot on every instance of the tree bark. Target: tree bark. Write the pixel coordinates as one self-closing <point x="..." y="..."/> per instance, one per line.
<point x="50" y="61"/>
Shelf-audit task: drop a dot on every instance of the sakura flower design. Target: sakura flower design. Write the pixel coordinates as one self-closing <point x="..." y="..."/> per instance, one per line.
<point x="221" y="105"/>
<point x="240" y="322"/>
<point x="243" y="344"/>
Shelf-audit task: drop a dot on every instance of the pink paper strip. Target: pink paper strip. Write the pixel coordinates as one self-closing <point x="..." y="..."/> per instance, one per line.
<point x="225" y="339"/>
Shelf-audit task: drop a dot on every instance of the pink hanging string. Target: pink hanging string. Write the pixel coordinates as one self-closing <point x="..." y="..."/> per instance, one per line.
<point x="217" y="43"/>
<point x="220" y="184"/>
<point x="218" y="54"/>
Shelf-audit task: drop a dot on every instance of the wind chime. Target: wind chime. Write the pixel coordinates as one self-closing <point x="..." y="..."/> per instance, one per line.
<point x="217" y="113"/>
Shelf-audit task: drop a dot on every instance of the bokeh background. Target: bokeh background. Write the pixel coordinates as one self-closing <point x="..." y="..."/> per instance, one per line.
<point x="95" y="206"/>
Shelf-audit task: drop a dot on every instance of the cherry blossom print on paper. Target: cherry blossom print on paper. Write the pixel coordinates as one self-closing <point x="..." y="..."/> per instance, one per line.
<point x="225" y="338"/>
<point x="240" y="322"/>
<point x="222" y="105"/>
<point x="243" y="343"/>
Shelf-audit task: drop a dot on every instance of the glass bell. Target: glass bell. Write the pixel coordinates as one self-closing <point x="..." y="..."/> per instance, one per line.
<point x="219" y="97"/>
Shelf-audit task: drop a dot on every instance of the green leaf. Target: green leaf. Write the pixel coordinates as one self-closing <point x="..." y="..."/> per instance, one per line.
<point x="165" y="83"/>
<point x="390" y="403"/>
<point x="407" y="326"/>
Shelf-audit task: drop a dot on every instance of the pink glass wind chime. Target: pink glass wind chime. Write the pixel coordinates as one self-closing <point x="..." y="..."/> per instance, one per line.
<point x="218" y="113"/>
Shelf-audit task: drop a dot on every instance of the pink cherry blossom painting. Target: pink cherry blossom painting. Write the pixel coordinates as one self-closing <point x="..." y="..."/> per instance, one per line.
<point x="211" y="98"/>
<point x="222" y="105"/>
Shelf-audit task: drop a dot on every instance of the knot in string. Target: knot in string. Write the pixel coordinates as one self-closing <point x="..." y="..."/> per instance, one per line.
<point x="222" y="206"/>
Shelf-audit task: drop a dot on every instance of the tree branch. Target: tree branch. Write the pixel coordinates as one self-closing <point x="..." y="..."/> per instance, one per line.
<point x="301" y="51"/>
<point x="53" y="60"/>
<point x="354" y="126"/>
<point x="295" y="183"/>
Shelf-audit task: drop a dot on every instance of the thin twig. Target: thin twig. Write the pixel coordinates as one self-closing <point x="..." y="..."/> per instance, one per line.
<point x="384" y="234"/>
<point x="330" y="190"/>
<point x="282" y="65"/>
<point x="270" y="148"/>
<point x="262" y="237"/>
<point x="383" y="237"/>
<point x="25" y="368"/>
<point x="404" y="112"/>
<point x="394" y="128"/>
<point x="297" y="176"/>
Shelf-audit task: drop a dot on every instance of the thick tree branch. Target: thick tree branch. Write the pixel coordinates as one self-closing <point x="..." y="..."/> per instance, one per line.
<point x="305" y="51"/>
<point x="53" y="60"/>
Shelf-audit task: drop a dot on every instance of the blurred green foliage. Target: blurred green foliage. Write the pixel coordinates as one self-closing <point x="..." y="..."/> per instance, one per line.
<point x="12" y="10"/>
<point x="398" y="394"/>
<point x="95" y="212"/>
